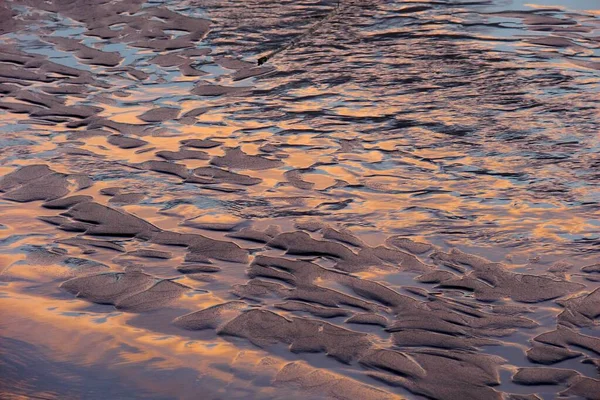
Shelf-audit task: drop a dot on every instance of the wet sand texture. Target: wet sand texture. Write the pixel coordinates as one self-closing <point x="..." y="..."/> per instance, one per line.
<point x="402" y="204"/>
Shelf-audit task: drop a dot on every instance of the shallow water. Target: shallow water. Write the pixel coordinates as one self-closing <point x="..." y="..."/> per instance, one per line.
<point x="403" y="204"/>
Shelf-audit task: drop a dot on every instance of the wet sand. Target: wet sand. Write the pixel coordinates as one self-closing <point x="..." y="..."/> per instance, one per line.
<point x="402" y="204"/>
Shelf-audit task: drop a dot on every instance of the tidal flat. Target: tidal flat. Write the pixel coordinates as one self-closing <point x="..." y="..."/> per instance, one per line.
<point x="258" y="199"/>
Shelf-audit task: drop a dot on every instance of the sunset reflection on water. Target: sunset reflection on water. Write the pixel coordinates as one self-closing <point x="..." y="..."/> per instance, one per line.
<point x="461" y="125"/>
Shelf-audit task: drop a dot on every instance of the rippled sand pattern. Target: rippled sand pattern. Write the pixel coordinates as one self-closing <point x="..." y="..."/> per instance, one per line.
<point x="402" y="204"/>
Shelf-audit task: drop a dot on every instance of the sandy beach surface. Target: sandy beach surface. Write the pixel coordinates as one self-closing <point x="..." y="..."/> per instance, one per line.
<point x="401" y="202"/>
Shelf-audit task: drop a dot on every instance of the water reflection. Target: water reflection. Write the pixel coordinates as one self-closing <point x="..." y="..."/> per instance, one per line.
<point x="467" y="125"/>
